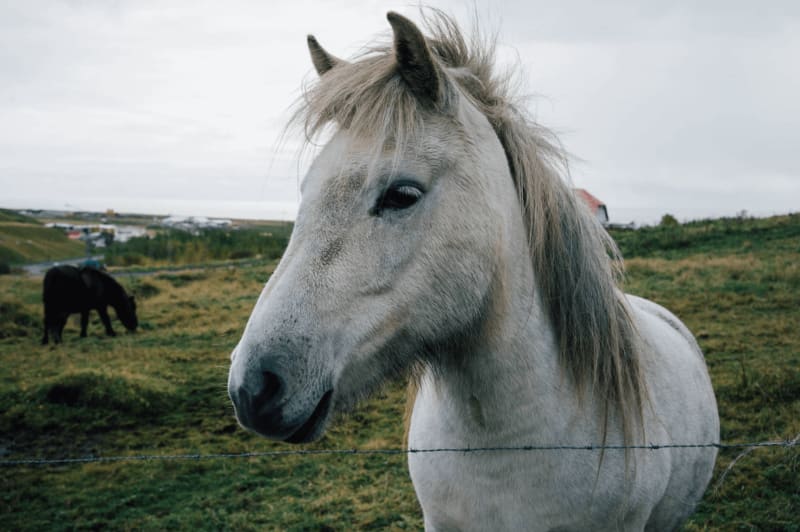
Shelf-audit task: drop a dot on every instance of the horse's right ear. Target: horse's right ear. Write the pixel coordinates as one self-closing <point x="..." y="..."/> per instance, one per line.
<point x="415" y="61"/>
<point x="323" y="61"/>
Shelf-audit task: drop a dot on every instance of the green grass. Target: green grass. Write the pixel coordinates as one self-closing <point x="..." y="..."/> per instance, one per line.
<point x="162" y="391"/>
<point x="721" y="237"/>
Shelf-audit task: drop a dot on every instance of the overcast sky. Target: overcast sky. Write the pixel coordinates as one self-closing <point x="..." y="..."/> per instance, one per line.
<point x="685" y="107"/>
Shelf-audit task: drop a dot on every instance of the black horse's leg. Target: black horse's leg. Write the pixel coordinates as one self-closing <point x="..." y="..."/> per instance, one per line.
<point x="47" y="326"/>
<point x="107" y="322"/>
<point x="58" y="327"/>
<point x="84" y="322"/>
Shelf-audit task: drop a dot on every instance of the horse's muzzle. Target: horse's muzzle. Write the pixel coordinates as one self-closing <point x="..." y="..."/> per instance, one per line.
<point x="262" y="407"/>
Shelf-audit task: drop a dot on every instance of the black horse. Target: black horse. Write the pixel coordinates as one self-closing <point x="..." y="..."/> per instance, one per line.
<point x="68" y="290"/>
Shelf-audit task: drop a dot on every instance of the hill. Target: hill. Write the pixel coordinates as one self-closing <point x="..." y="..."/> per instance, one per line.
<point x="24" y="239"/>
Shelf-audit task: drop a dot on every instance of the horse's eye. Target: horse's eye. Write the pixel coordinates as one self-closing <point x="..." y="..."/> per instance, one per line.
<point x="401" y="195"/>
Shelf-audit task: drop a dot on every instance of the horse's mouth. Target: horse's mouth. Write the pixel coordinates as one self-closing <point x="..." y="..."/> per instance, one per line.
<point x="308" y="430"/>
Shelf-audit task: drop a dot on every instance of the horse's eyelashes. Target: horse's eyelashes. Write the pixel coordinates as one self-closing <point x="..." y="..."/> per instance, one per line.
<point x="400" y="196"/>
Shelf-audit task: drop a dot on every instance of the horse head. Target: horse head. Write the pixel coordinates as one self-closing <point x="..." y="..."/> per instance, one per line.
<point x="403" y="220"/>
<point x="126" y="312"/>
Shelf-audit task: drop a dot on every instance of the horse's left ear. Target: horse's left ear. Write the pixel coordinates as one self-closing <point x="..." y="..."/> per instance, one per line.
<point x="415" y="61"/>
<point x="323" y="61"/>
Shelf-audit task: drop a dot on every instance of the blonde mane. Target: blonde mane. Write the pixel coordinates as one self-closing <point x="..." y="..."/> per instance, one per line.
<point x="576" y="263"/>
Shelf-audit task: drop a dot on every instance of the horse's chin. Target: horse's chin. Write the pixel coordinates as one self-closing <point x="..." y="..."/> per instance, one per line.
<point x="314" y="427"/>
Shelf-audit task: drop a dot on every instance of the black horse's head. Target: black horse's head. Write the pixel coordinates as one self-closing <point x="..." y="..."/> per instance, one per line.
<point x="126" y="312"/>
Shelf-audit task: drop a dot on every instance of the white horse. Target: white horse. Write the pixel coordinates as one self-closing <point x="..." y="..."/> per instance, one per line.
<point x="436" y="235"/>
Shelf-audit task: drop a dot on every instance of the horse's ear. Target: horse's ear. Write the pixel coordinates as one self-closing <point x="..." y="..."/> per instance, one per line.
<point x="415" y="62"/>
<point x="323" y="61"/>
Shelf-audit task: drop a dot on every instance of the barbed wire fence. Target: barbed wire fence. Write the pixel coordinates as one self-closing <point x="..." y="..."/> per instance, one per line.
<point x="747" y="447"/>
<point x="795" y="442"/>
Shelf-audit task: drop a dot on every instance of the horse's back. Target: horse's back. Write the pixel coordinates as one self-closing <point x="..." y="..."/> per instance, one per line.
<point x="682" y="409"/>
<point x="96" y="282"/>
<point x="63" y="289"/>
<point x="59" y="275"/>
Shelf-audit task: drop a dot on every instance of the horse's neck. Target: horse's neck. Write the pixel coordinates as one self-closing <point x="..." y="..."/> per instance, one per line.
<point x="117" y="297"/>
<point x="506" y="385"/>
<point x="111" y="290"/>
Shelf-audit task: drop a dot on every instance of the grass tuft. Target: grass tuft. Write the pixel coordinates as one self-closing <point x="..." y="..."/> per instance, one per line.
<point x="90" y="389"/>
<point x="17" y="319"/>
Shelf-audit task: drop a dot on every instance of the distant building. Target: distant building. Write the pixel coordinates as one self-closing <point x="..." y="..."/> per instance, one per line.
<point x="194" y="223"/>
<point x="100" y="235"/>
<point x="124" y="233"/>
<point x="597" y="207"/>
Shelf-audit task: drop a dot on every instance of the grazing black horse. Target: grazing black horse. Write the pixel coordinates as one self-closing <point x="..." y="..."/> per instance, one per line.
<point x="68" y="290"/>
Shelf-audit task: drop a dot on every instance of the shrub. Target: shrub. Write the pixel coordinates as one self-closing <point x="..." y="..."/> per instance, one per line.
<point x="669" y="221"/>
<point x="241" y="254"/>
<point x="125" y="259"/>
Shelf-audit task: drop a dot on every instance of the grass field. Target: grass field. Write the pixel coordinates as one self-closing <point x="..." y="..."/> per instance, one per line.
<point x="161" y="391"/>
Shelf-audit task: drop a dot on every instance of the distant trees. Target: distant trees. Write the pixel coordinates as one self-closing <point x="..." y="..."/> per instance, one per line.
<point x="181" y="247"/>
<point x="669" y="221"/>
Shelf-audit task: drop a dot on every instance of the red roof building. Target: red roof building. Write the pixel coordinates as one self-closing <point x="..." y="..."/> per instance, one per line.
<point x="597" y="207"/>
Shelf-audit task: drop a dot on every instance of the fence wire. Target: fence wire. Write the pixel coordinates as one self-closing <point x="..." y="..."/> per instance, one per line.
<point x="392" y="451"/>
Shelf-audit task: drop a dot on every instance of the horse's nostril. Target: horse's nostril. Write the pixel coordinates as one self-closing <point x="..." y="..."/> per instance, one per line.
<point x="270" y="389"/>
